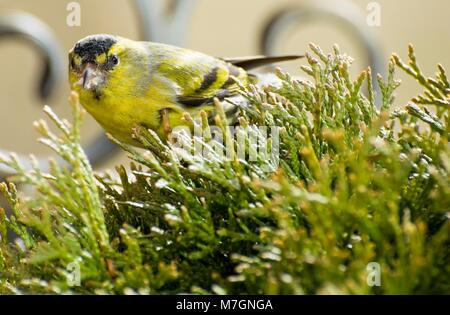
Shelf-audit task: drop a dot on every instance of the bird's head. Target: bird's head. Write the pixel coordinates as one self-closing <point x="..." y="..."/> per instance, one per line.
<point x="92" y="61"/>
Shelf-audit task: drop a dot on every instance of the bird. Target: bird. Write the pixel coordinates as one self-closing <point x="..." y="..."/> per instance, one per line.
<point x="124" y="83"/>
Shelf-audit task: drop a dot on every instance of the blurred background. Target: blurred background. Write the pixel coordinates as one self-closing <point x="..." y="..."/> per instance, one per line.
<point x="367" y="30"/>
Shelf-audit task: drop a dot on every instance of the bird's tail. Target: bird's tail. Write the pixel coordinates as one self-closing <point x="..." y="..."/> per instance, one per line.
<point x="253" y="62"/>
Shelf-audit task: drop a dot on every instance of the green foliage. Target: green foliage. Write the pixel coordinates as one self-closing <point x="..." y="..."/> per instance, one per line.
<point x="354" y="185"/>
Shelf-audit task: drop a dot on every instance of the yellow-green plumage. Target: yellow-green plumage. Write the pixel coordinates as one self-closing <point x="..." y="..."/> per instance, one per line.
<point x="144" y="79"/>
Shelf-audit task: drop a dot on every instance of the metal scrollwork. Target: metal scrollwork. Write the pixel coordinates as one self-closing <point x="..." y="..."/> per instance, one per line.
<point x="29" y="28"/>
<point x="342" y="13"/>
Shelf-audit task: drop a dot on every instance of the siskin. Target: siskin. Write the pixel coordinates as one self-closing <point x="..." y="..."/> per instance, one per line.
<point x="123" y="83"/>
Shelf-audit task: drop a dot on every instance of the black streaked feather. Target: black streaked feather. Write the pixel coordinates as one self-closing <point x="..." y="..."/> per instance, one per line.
<point x="252" y="62"/>
<point x="208" y="80"/>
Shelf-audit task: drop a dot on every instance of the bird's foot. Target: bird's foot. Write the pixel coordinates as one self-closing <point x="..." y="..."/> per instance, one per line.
<point x="166" y="123"/>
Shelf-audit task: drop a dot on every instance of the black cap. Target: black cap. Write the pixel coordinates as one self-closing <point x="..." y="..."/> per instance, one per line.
<point x="90" y="47"/>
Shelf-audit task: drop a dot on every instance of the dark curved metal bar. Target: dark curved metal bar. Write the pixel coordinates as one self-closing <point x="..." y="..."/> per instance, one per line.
<point x="100" y="149"/>
<point x="344" y="14"/>
<point x="29" y="28"/>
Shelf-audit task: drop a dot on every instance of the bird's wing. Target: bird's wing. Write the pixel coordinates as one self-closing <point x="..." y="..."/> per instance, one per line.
<point x="234" y="67"/>
<point x="216" y="82"/>
<point x="196" y="78"/>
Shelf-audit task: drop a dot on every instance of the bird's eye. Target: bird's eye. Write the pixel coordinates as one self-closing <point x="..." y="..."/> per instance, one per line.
<point x="114" y="59"/>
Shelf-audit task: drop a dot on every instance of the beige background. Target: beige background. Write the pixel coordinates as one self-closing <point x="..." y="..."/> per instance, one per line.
<point x="224" y="28"/>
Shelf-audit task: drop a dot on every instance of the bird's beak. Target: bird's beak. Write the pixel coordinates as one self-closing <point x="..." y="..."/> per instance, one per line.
<point x="90" y="77"/>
